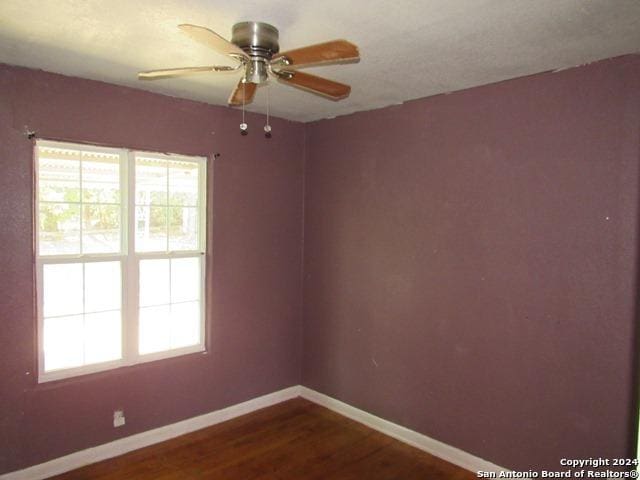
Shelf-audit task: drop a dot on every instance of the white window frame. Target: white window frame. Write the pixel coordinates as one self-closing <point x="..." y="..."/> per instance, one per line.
<point x="129" y="258"/>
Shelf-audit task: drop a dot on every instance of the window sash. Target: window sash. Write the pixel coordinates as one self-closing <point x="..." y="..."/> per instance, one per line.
<point x="130" y="260"/>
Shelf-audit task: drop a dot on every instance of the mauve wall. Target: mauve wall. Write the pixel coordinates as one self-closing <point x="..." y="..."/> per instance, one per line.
<point x="470" y="264"/>
<point x="254" y="291"/>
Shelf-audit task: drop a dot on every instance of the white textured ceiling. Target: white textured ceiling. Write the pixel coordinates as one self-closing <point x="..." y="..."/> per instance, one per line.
<point x="409" y="48"/>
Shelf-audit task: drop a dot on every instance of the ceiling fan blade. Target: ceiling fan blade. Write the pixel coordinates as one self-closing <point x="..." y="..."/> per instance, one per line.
<point x="179" y="72"/>
<point x="211" y="39"/>
<point x="336" y="51"/>
<point x="318" y="85"/>
<point x="245" y="90"/>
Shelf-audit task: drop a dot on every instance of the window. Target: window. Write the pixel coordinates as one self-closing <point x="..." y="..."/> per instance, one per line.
<point x="120" y="243"/>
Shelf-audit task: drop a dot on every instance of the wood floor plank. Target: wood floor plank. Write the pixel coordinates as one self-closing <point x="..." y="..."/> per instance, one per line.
<point x="294" y="440"/>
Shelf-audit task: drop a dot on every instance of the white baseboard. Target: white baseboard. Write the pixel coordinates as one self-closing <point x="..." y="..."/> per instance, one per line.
<point x="127" y="444"/>
<point x="144" y="439"/>
<point x="434" y="447"/>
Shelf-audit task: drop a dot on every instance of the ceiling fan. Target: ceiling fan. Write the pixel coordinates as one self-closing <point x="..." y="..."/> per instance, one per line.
<point x="254" y="46"/>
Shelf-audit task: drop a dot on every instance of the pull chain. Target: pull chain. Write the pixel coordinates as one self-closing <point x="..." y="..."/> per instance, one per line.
<point x="267" y="127"/>
<point x="243" y="126"/>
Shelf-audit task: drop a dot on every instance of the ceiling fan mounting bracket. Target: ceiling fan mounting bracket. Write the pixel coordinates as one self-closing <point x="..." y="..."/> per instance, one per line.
<point x="283" y="74"/>
<point x="280" y="62"/>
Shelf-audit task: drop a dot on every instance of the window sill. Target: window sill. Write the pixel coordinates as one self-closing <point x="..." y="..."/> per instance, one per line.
<point x="118" y="366"/>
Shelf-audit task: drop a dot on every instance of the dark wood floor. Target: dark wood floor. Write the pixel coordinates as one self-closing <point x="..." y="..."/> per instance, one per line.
<point x="293" y="440"/>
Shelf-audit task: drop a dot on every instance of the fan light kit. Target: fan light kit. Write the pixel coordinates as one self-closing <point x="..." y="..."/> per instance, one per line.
<point x="255" y="48"/>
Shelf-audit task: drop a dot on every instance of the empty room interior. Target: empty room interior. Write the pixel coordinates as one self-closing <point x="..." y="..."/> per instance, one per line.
<point x="269" y="239"/>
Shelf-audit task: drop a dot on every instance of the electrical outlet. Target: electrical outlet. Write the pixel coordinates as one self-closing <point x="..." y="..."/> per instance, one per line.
<point x="118" y="418"/>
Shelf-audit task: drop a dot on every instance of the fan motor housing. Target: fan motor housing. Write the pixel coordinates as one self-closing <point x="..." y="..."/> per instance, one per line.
<point x="256" y="38"/>
<point x="260" y="41"/>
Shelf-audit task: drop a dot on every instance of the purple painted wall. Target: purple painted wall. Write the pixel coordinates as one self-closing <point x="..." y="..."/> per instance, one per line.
<point x="254" y="290"/>
<point x="470" y="264"/>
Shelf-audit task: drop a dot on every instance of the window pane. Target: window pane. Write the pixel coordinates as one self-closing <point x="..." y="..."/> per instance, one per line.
<point x="183" y="183"/>
<point x="58" y="180"/>
<point x="151" y="229"/>
<point x="151" y="181"/>
<point x="63" y="342"/>
<point x="103" y="337"/>
<point x="62" y="286"/>
<point x="100" y="177"/>
<point x="100" y="228"/>
<point x="183" y="228"/>
<point x="185" y="324"/>
<point x="102" y="285"/>
<point x="155" y="329"/>
<point x="154" y="282"/>
<point x="83" y="206"/>
<point x="185" y="279"/>
<point x="59" y="229"/>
